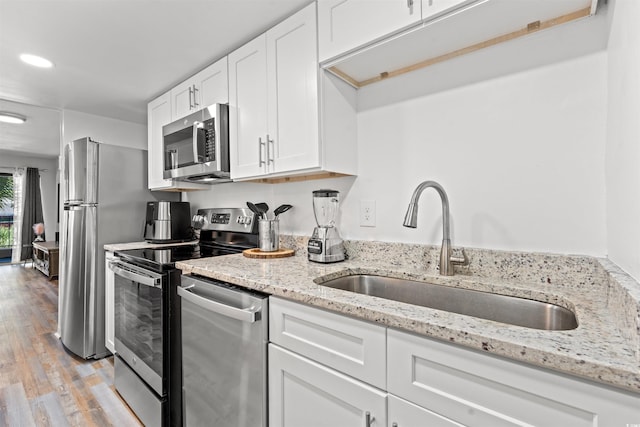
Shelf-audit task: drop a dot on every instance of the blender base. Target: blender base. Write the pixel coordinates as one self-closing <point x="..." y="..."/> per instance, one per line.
<point x="325" y="246"/>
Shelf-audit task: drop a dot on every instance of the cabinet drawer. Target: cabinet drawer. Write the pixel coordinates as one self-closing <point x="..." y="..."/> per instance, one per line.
<point x="351" y="346"/>
<point x="476" y="389"/>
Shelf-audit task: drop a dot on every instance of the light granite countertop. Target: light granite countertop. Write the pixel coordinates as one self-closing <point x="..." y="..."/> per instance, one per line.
<point x="605" y="347"/>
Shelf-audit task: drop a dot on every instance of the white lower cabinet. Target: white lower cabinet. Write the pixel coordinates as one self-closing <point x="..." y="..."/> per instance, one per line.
<point x="477" y="389"/>
<point x="305" y="393"/>
<point x="322" y="365"/>
<point x="109" y="303"/>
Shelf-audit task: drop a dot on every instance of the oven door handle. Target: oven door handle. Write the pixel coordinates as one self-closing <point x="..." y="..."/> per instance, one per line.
<point x="247" y="315"/>
<point x="148" y="279"/>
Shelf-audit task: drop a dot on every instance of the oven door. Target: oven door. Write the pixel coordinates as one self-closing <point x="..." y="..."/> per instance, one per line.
<point x="140" y="306"/>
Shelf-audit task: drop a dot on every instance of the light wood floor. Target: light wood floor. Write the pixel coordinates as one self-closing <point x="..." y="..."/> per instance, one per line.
<point x="41" y="384"/>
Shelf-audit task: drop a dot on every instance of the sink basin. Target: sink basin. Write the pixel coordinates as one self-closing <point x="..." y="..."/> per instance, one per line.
<point x="500" y="308"/>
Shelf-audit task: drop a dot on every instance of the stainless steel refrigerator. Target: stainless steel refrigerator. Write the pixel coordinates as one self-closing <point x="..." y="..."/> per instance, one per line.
<point x="105" y="195"/>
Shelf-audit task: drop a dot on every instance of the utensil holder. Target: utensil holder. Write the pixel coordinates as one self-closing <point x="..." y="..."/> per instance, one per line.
<point x="269" y="234"/>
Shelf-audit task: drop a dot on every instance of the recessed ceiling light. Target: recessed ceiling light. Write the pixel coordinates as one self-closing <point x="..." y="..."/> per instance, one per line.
<point x="14" y="118"/>
<point x="36" y="61"/>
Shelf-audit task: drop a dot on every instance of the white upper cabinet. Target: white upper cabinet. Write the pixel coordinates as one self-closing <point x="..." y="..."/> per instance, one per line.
<point x="209" y="86"/>
<point x="248" y="108"/>
<point x="158" y="115"/>
<point x="434" y="8"/>
<point x="347" y="24"/>
<point x="292" y="68"/>
<point x="275" y="118"/>
<point x="365" y="41"/>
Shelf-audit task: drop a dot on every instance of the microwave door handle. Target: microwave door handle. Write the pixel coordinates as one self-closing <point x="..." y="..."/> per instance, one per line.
<point x="196" y="142"/>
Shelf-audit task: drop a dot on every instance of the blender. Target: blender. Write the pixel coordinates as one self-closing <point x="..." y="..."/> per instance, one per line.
<point x="325" y="245"/>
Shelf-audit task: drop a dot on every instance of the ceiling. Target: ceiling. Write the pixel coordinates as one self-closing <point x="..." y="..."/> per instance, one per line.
<point x="112" y="56"/>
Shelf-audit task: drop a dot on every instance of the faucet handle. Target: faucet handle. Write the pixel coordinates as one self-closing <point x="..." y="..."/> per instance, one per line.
<point x="464" y="260"/>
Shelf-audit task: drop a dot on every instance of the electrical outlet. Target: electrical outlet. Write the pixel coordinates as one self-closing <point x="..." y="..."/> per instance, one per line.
<point x="367" y="213"/>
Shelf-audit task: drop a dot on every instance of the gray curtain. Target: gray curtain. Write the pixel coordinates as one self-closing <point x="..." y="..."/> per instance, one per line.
<point x="32" y="212"/>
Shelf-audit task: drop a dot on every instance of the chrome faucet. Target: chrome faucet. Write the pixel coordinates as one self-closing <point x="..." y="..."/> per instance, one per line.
<point x="411" y="220"/>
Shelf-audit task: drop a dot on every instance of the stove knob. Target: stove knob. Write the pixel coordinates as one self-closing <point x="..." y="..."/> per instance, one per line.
<point x="198" y="221"/>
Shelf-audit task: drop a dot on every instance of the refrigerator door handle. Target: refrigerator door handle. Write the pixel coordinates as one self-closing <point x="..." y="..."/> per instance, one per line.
<point x="72" y="205"/>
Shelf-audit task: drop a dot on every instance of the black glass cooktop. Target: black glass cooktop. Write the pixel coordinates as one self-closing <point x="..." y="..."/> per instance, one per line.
<point x="164" y="258"/>
<point x="160" y="258"/>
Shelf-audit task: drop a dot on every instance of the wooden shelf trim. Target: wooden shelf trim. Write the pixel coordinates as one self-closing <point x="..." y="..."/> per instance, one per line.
<point x="532" y="27"/>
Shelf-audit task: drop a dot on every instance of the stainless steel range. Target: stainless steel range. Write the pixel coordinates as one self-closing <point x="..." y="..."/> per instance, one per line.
<point x="148" y="362"/>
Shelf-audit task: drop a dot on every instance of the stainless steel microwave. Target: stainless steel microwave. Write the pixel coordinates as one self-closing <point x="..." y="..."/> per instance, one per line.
<point x="196" y="147"/>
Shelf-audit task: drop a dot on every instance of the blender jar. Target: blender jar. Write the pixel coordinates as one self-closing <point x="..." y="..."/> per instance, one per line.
<point x="325" y="207"/>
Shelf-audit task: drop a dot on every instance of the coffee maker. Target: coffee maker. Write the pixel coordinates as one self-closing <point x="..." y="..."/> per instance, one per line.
<point x="325" y="245"/>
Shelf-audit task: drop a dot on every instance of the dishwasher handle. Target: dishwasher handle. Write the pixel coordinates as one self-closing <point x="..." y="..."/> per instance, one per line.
<point x="245" y="315"/>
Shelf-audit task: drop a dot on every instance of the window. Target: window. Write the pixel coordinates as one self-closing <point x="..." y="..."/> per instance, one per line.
<point x="6" y="216"/>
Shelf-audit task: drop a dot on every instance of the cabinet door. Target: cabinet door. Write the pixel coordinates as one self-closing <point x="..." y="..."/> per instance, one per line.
<point x="209" y="86"/>
<point x="109" y="303"/>
<point x="158" y="115"/>
<point x="292" y="69"/>
<point x="248" y="109"/>
<point x="183" y="99"/>
<point x="347" y="24"/>
<point x="305" y="393"/>
<point x="406" y="414"/>
<point x="212" y="84"/>
<point x="433" y="8"/>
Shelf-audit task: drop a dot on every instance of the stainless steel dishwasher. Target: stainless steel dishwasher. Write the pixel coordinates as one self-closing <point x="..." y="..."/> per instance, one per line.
<point x="224" y="354"/>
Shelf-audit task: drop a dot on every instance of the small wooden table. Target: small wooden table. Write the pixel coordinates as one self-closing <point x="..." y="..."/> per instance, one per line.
<point x="45" y="258"/>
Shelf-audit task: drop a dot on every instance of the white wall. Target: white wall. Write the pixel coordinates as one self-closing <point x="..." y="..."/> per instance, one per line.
<point x="623" y="138"/>
<point x="520" y="156"/>
<point x="102" y="129"/>
<point x="48" y="186"/>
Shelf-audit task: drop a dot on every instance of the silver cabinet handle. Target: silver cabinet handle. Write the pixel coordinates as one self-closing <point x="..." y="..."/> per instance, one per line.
<point x="260" y="144"/>
<point x="269" y="153"/>
<point x="190" y="97"/>
<point x="368" y="419"/>
<point x="409" y="4"/>
<point x="247" y="315"/>
<point x="195" y="99"/>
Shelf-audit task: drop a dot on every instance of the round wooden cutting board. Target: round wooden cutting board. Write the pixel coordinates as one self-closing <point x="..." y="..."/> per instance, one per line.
<point x="257" y="253"/>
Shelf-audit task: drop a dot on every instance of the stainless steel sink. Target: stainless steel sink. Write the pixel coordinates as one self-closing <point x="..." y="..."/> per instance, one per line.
<point x="500" y="308"/>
